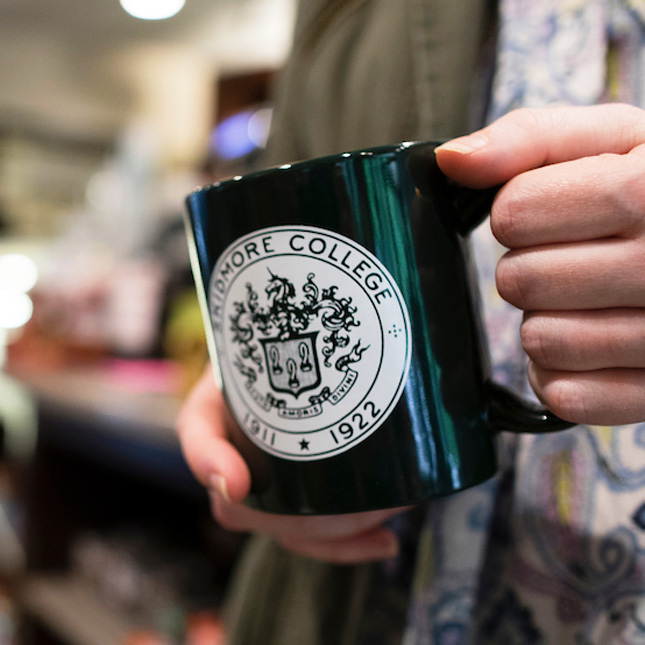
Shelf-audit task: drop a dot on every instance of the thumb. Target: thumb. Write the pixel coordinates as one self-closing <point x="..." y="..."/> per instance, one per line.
<point x="202" y="431"/>
<point x="529" y="138"/>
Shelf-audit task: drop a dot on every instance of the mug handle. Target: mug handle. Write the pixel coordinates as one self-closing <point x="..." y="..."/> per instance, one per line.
<point x="506" y="410"/>
<point x="509" y="411"/>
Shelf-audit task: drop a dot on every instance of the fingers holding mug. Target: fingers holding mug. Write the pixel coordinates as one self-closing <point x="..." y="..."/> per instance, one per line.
<point x="588" y="366"/>
<point x="572" y="213"/>
<point x="583" y="341"/>
<point x="202" y="430"/>
<point x="601" y="397"/>
<point x="341" y="539"/>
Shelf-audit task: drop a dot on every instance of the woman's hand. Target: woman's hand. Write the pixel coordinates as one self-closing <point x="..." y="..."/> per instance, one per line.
<point x="202" y="427"/>
<point x="572" y="213"/>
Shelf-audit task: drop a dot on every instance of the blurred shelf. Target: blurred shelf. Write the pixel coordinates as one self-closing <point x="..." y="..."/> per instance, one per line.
<point x="107" y="414"/>
<point x="99" y="392"/>
<point x="106" y="460"/>
<point x="69" y="609"/>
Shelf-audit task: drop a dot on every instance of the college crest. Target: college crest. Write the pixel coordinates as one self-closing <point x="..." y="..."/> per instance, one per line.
<point x="287" y="328"/>
<point x="312" y="340"/>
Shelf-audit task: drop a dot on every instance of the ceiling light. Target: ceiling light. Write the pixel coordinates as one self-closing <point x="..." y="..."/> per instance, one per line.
<point x="153" y="9"/>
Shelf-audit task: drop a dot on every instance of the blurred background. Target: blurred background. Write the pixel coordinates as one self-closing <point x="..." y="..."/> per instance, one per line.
<point x="110" y="113"/>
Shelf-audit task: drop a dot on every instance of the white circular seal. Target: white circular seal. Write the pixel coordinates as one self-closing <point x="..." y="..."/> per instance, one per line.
<point x="312" y="337"/>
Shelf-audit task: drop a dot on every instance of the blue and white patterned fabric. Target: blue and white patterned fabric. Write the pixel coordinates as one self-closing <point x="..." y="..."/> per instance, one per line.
<point x="570" y="52"/>
<point x="551" y="551"/>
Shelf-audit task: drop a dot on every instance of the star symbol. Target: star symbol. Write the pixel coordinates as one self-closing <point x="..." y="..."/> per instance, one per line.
<point x="304" y="445"/>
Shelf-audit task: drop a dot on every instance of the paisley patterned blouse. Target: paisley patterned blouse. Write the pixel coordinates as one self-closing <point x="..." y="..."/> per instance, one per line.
<point x="552" y="551"/>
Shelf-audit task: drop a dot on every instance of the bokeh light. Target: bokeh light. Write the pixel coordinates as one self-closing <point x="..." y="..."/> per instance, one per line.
<point x="153" y="9"/>
<point x="18" y="275"/>
<point x="16" y="309"/>
<point x="18" y="272"/>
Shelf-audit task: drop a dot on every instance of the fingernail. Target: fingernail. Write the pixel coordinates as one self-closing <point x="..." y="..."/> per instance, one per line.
<point x="219" y="484"/>
<point x="465" y="145"/>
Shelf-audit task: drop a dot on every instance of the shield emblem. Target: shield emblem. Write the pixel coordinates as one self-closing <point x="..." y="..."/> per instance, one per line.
<point x="292" y="364"/>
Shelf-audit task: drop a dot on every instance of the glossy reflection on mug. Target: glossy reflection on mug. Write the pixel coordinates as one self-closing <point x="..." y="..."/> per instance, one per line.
<point x="343" y="322"/>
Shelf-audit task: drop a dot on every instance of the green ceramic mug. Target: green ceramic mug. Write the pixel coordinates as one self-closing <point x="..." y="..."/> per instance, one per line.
<point x="343" y="323"/>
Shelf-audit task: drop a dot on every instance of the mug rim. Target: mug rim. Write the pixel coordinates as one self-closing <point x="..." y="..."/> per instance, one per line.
<point x="304" y="163"/>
